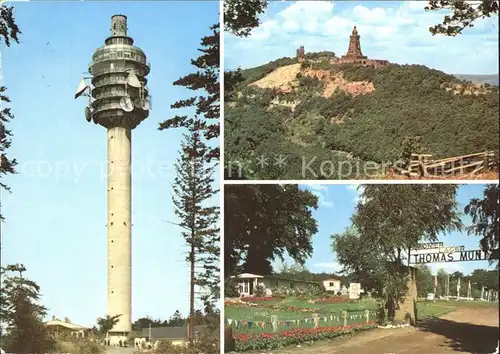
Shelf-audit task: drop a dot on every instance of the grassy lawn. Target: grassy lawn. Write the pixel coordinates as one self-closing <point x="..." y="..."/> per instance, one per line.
<point x="429" y="309"/>
<point x="426" y="310"/>
<point x="468" y="304"/>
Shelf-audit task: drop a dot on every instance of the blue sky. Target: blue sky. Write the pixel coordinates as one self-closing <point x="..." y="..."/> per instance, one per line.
<point x="56" y="216"/>
<point x="392" y="30"/>
<point x="336" y="206"/>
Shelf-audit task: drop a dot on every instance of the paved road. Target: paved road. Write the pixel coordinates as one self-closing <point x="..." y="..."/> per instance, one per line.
<point x="462" y="331"/>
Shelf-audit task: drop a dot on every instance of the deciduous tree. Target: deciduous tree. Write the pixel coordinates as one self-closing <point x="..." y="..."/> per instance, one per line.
<point x="389" y="220"/>
<point x="241" y="16"/>
<point x="424" y="280"/>
<point x="262" y="222"/>
<point x="106" y="324"/>
<point x="485" y="221"/>
<point x="463" y="14"/>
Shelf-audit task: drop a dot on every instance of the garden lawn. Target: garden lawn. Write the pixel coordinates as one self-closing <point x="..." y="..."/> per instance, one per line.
<point x="258" y="319"/>
<point x="429" y="309"/>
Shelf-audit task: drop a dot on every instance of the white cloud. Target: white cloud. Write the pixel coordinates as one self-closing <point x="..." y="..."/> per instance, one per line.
<point x="375" y="16"/>
<point x="398" y="32"/>
<point x="302" y="11"/>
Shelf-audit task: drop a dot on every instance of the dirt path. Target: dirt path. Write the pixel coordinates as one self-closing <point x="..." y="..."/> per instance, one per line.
<point x="462" y="331"/>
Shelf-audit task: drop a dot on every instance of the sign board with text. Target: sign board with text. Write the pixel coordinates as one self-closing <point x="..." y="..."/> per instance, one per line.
<point x="448" y="254"/>
<point x="354" y="290"/>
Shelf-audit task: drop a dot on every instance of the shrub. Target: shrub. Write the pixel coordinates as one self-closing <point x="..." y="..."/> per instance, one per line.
<point x="260" y="291"/>
<point x="231" y="288"/>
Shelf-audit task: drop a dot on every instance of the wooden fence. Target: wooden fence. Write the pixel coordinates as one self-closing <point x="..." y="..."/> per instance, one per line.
<point x="422" y="165"/>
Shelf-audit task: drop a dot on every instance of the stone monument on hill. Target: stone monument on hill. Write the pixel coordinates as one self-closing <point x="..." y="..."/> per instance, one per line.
<point x="354" y="51"/>
<point x="354" y="54"/>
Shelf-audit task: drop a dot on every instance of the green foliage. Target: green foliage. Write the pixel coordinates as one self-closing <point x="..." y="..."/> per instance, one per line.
<point x="231" y="288"/>
<point x="464" y="13"/>
<point x="259" y="291"/>
<point x="389" y="220"/>
<point x="409" y="101"/>
<point x="256" y="137"/>
<point x="318" y="55"/>
<point x="310" y="291"/>
<point x="410" y="145"/>
<point x="107" y="323"/>
<point x="205" y="81"/>
<point x="241" y="16"/>
<point x="278" y="216"/>
<point x="8" y="26"/>
<point x="192" y="191"/>
<point x="78" y="346"/>
<point x="8" y="31"/>
<point x="22" y="313"/>
<point x="424" y="280"/>
<point x="485" y="221"/>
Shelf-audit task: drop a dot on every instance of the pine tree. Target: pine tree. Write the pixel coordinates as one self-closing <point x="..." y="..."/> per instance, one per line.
<point x="193" y="188"/>
<point x="22" y="313"/>
<point x="8" y="31"/>
<point x="206" y="82"/>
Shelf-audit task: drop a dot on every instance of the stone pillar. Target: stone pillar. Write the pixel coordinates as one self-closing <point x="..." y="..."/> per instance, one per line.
<point x="119" y="228"/>
<point x="274" y="322"/>
<point x="316" y="320"/>
<point x="406" y="310"/>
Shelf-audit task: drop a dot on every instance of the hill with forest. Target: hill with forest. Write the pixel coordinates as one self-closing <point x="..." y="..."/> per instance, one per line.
<point x="339" y="120"/>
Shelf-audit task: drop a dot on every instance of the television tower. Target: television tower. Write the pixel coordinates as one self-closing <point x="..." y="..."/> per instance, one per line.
<point x="119" y="101"/>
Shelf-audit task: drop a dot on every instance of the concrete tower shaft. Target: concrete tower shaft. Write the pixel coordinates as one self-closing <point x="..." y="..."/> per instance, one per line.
<point x="119" y="227"/>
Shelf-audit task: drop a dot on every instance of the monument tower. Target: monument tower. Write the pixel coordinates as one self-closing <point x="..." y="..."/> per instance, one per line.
<point x="119" y="101"/>
<point x="354" y="51"/>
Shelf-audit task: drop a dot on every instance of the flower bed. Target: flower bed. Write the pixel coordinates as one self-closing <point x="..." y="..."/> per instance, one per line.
<point x="260" y="299"/>
<point x="331" y="300"/>
<point x="239" y="304"/>
<point x="260" y="341"/>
